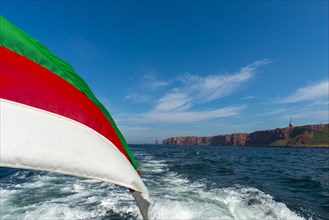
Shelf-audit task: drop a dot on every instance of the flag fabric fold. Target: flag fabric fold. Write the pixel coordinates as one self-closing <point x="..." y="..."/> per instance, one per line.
<point x="51" y="120"/>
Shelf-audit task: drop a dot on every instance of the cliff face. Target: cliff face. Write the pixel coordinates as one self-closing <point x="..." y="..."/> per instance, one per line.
<point x="308" y="135"/>
<point x="188" y="140"/>
<point x="268" y="136"/>
<point x="238" y="139"/>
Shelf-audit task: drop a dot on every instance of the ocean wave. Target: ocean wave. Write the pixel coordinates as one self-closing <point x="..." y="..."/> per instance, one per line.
<point x="40" y="195"/>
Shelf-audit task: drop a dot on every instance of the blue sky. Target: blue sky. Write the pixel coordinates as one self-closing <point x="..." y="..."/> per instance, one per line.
<point x="170" y="68"/>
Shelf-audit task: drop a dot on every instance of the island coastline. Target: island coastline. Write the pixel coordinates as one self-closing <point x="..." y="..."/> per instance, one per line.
<point x="294" y="136"/>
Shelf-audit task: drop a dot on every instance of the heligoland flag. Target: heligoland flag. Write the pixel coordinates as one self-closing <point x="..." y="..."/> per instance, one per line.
<point x="51" y="120"/>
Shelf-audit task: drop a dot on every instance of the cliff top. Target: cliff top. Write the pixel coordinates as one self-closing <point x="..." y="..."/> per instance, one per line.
<point x="305" y="135"/>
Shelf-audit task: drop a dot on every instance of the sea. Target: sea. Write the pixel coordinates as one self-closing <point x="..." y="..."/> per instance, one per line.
<point x="184" y="182"/>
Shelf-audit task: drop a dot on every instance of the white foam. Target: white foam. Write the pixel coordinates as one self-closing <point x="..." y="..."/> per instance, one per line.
<point x="61" y="211"/>
<point x="173" y="196"/>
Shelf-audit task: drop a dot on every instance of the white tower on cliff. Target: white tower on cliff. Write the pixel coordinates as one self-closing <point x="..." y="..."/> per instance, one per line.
<point x="291" y="124"/>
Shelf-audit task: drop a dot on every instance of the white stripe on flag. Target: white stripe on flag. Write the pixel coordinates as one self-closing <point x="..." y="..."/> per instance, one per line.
<point x="38" y="139"/>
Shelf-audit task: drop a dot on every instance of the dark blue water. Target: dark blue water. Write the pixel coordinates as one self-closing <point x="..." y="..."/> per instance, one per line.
<point x="185" y="182"/>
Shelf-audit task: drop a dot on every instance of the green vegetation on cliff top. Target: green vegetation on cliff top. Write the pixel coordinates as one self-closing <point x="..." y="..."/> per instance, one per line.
<point x="316" y="139"/>
<point x="321" y="138"/>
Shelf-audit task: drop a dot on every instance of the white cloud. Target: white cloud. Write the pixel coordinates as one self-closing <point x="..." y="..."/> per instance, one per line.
<point x="305" y="112"/>
<point x="147" y="87"/>
<point x="150" y="82"/>
<point x="177" y="101"/>
<point x="309" y="93"/>
<point x="314" y="115"/>
<point x="176" y="106"/>
<point x="198" y="89"/>
<point x="139" y="98"/>
<point x="189" y="116"/>
<point x="249" y="97"/>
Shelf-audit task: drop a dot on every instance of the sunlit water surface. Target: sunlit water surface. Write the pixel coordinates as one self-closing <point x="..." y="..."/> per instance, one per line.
<point x="185" y="182"/>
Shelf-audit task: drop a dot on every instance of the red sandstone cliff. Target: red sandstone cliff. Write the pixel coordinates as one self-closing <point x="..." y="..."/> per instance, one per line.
<point x="237" y="139"/>
<point x="308" y="135"/>
<point x="188" y="140"/>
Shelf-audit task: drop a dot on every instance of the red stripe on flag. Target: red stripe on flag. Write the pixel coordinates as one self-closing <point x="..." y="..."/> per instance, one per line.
<point x="26" y="82"/>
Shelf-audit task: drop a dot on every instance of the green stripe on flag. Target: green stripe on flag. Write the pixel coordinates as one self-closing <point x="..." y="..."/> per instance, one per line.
<point x="18" y="41"/>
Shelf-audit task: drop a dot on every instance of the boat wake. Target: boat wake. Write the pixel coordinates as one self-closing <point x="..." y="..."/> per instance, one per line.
<point x="29" y="194"/>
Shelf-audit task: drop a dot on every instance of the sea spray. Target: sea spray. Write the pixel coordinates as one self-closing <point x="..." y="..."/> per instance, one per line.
<point x="183" y="185"/>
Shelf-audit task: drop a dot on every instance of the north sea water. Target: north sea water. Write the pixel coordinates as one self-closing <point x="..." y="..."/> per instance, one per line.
<point x="184" y="182"/>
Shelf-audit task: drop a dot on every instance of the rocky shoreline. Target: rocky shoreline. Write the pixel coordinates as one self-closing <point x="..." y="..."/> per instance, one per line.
<point x="303" y="136"/>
